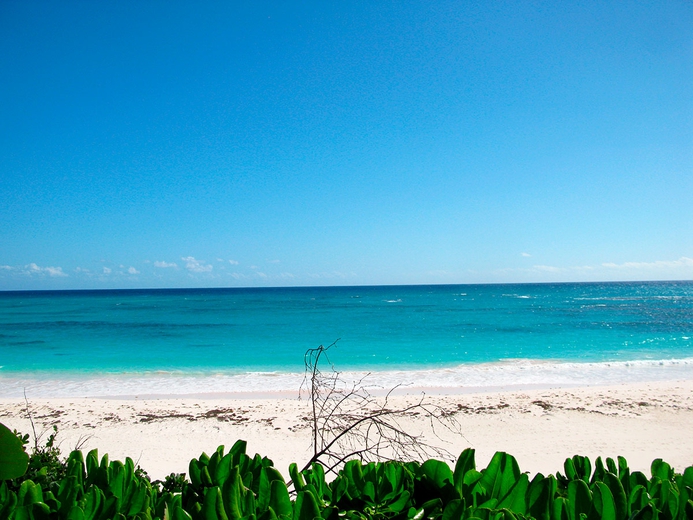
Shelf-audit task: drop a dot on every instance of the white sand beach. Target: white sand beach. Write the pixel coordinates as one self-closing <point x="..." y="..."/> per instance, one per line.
<point x="539" y="427"/>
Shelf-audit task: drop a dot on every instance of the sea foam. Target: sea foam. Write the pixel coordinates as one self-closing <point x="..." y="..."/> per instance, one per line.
<point x="506" y="374"/>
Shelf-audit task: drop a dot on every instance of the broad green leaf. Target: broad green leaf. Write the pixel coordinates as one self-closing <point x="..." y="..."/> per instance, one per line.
<point x="268" y="515"/>
<point x="76" y="466"/>
<point x="68" y="493"/>
<point x="611" y="466"/>
<point x="91" y="503"/>
<point x="465" y="462"/>
<point x="583" y="467"/>
<point x="340" y="489"/>
<point x="618" y="494"/>
<point x="515" y="499"/>
<point x="75" y="513"/>
<point x="491" y="503"/>
<point x="40" y="511"/>
<point x="222" y="469"/>
<point x="569" y="468"/>
<point x="279" y="498"/>
<point x="624" y="476"/>
<point x="579" y="499"/>
<point x="116" y="481"/>
<point x="238" y="449"/>
<point x="470" y="480"/>
<point x="599" y="471"/>
<point x="232" y="497"/>
<point x="646" y="513"/>
<point x="205" y="477"/>
<point x="688" y="508"/>
<point x="438" y="471"/>
<point x="213" y="507"/>
<point x="604" y="502"/>
<point x="138" y="501"/>
<point x="506" y="514"/>
<point x="432" y="507"/>
<point x="454" y="510"/>
<point x="559" y="509"/>
<point x="368" y="492"/>
<point x="194" y="472"/>
<point x="661" y="469"/>
<point x="263" y="496"/>
<point x="688" y="476"/>
<point x="13" y="459"/>
<point x="306" y="507"/>
<point x="540" y="496"/>
<point x="500" y="476"/>
<point x="402" y="502"/>
<point x="667" y="499"/>
<point x="29" y="493"/>
<point x="110" y="507"/>
<point x="296" y="477"/>
<point x="638" y="499"/>
<point x="249" y="505"/>
<point x="354" y="475"/>
<point x="638" y="478"/>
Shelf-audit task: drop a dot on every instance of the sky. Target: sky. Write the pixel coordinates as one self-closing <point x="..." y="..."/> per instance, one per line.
<point x="222" y="144"/>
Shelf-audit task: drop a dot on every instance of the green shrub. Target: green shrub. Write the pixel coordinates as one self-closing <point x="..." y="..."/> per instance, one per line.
<point x="235" y="486"/>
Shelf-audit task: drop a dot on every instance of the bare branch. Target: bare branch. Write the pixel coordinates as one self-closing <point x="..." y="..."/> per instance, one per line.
<point x="31" y="420"/>
<point x="348" y="422"/>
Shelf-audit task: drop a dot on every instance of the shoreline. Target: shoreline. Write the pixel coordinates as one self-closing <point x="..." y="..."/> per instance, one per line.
<point x="504" y="375"/>
<point x="540" y="427"/>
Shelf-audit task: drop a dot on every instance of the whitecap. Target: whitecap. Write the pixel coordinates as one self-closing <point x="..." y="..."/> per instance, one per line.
<point x="506" y="373"/>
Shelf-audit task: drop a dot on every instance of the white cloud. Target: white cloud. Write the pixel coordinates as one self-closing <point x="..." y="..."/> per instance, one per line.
<point x="196" y="266"/>
<point x="6" y="267"/>
<point x="659" y="264"/>
<point x="106" y="270"/>
<point x="681" y="269"/>
<point x="82" y="270"/>
<point x="233" y="262"/>
<point x="55" y="271"/>
<point x="526" y="255"/>
<point x="549" y="269"/>
<point x="164" y="265"/>
<point x="273" y="261"/>
<point x="333" y="275"/>
<point x="32" y="268"/>
<point x="132" y="270"/>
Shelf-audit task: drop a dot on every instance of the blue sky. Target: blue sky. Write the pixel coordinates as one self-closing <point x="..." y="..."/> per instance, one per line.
<point x="183" y="144"/>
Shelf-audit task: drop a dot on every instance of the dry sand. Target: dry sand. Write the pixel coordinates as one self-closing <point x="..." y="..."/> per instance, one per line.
<point x="539" y="427"/>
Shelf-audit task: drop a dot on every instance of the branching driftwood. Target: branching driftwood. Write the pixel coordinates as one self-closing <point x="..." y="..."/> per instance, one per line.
<point x="348" y="422"/>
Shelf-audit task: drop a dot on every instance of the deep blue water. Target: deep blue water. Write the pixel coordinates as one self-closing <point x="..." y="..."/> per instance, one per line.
<point x="383" y="327"/>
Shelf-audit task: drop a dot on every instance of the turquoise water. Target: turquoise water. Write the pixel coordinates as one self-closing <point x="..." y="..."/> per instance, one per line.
<point x="75" y="334"/>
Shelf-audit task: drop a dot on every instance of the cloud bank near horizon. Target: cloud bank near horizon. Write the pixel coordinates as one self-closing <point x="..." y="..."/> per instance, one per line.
<point x="204" y="274"/>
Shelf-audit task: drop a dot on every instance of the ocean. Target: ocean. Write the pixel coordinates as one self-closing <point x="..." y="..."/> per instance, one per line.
<point x="204" y="341"/>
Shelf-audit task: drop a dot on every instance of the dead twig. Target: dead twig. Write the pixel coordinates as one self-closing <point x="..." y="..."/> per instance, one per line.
<point x="348" y="422"/>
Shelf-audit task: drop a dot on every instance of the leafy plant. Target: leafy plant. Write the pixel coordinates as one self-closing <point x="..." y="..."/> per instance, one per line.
<point x="235" y="486"/>
<point x="13" y="459"/>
